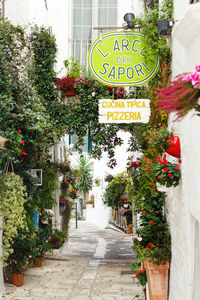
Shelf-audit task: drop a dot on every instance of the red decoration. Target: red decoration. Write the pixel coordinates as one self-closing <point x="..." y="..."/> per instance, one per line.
<point x="174" y="147"/>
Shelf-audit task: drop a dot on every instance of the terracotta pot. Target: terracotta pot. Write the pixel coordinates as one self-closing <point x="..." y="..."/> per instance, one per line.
<point x="17" y="279"/>
<point x="157" y="278"/>
<point x="38" y="262"/>
<point x="70" y="92"/>
<point x="129" y="229"/>
<point x="145" y="294"/>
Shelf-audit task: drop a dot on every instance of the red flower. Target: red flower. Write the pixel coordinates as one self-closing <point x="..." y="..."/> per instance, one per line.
<point x="144" y="212"/>
<point x="22" y="142"/>
<point x="19" y="131"/>
<point x="163" y="125"/>
<point x="139" y="272"/>
<point x="23" y="153"/>
<point x="146" y="169"/>
<point x="86" y="82"/>
<point x="156" y="211"/>
<point x="150" y="183"/>
<point x="180" y="161"/>
<point x="159" y="177"/>
<point x="169" y="175"/>
<point x="151" y="222"/>
<point x="177" y="167"/>
<point x="109" y="87"/>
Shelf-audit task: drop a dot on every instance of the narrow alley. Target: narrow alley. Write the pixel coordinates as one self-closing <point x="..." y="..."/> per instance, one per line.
<point x="94" y="265"/>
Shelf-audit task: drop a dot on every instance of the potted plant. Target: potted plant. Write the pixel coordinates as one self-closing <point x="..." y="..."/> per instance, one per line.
<point x="73" y="71"/>
<point x="58" y="238"/>
<point x="127" y="213"/>
<point x="166" y="173"/>
<point x="21" y="257"/>
<point x="62" y="203"/>
<point x="42" y="245"/>
<point x="153" y="248"/>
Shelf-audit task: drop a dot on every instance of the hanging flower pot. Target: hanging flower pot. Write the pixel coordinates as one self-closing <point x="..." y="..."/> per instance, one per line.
<point x="157" y="278"/>
<point x="17" y="279"/>
<point x="174" y="148"/>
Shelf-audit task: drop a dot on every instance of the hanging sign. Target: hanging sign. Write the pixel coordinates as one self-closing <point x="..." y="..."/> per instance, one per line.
<point x="118" y="59"/>
<point x="124" y="111"/>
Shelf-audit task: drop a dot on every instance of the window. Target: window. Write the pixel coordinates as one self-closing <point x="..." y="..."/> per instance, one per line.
<point x="87" y="14"/>
<point x="87" y="147"/>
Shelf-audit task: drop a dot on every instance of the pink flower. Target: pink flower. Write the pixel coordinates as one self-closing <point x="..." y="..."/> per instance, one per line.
<point x="187" y="77"/>
<point x="197" y="68"/>
<point x="22" y="142"/>
<point x="195" y="77"/>
<point x="19" y="131"/>
<point x="197" y="84"/>
<point x="177" y="167"/>
<point x="30" y="256"/>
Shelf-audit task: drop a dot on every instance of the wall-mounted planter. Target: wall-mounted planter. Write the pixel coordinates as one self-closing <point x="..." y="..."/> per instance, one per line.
<point x="174" y="148"/>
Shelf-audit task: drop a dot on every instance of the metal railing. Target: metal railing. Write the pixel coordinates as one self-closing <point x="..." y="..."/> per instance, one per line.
<point x="118" y="220"/>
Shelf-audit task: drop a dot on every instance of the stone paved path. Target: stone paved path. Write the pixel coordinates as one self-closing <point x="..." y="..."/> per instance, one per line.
<point x="89" y="267"/>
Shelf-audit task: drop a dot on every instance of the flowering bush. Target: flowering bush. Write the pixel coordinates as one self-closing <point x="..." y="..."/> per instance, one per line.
<point x="166" y="173"/>
<point x="66" y="83"/>
<point x="73" y="194"/>
<point x="181" y="95"/>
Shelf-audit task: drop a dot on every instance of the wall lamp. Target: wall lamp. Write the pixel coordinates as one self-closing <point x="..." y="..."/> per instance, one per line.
<point x="164" y="27"/>
<point x="128" y="18"/>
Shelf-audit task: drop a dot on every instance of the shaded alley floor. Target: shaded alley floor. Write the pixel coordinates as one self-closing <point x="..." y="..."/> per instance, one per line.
<point x="93" y="265"/>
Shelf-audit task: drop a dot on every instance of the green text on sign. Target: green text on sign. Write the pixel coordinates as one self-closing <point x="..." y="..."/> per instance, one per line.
<point x="117" y="59"/>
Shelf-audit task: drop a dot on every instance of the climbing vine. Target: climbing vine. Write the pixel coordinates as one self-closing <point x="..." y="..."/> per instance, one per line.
<point x="13" y="198"/>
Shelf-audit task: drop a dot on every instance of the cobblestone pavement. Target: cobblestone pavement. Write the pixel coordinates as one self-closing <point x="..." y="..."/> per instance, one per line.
<point x="90" y="266"/>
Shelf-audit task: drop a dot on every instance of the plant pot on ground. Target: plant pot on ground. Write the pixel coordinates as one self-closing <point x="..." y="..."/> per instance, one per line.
<point x="17" y="279"/>
<point x="157" y="277"/>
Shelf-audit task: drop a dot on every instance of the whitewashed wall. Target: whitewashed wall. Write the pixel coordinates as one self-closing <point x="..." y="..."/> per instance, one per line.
<point x="183" y="202"/>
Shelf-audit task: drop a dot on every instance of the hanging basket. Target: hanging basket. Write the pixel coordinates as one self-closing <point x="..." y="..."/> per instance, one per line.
<point x="62" y="208"/>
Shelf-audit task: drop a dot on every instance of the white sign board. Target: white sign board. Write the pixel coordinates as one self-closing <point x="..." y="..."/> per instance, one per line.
<point x="124" y="111"/>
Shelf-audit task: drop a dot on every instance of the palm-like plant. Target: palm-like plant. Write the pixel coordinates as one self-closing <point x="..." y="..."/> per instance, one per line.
<point x="84" y="173"/>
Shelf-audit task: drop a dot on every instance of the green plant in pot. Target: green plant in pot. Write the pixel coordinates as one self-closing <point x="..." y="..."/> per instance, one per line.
<point x="42" y="244"/>
<point x="73" y="72"/>
<point x="58" y="238"/>
<point x="21" y="257"/>
<point x="166" y="173"/>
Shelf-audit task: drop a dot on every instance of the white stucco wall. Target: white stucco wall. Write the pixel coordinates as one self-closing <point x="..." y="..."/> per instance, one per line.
<point x="183" y="202"/>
